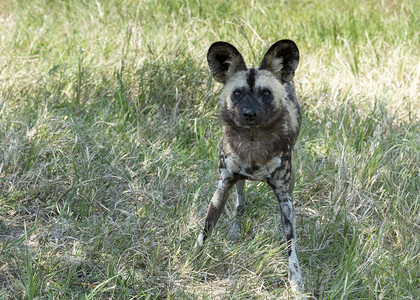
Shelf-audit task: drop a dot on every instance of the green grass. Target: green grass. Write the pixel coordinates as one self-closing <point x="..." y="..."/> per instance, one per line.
<point x="109" y="140"/>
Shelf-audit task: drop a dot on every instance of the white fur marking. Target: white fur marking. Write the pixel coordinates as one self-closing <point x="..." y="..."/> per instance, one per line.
<point x="225" y="173"/>
<point x="276" y="64"/>
<point x="261" y="174"/>
<point x="200" y="241"/>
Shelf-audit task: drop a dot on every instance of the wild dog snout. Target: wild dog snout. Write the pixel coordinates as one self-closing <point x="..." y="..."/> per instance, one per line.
<point x="250" y="114"/>
<point x="249" y="111"/>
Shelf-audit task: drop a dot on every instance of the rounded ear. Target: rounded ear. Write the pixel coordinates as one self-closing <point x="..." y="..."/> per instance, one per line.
<point x="224" y="61"/>
<point x="282" y="60"/>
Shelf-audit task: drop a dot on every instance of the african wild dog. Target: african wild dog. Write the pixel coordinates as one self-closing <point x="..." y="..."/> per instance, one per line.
<point x="261" y="120"/>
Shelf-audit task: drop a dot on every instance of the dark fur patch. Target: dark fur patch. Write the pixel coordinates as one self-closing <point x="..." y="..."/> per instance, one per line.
<point x="288" y="228"/>
<point x="291" y="96"/>
<point x="211" y="213"/>
<point x="252" y="169"/>
<point x="222" y="164"/>
<point x="206" y="230"/>
<point x="251" y="79"/>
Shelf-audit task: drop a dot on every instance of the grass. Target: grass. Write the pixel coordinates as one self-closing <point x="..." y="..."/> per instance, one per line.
<point x="109" y="138"/>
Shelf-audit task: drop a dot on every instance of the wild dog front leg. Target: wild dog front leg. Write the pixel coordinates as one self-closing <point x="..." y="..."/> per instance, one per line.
<point x="280" y="188"/>
<point x="235" y="228"/>
<point x="289" y="225"/>
<point x="216" y="206"/>
<point x="288" y="222"/>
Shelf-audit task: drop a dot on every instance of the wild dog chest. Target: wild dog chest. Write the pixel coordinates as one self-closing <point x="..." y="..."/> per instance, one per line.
<point x="230" y="165"/>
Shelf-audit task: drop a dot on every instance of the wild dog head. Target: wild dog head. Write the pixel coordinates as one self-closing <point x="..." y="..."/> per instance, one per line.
<point x="252" y="97"/>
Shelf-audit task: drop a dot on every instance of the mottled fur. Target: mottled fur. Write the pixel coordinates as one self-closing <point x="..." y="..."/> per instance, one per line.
<point x="261" y="120"/>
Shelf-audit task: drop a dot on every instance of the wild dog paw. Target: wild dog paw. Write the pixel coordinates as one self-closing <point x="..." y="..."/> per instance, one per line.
<point x="296" y="284"/>
<point x="295" y="278"/>
<point x="200" y="241"/>
<point x="234" y="233"/>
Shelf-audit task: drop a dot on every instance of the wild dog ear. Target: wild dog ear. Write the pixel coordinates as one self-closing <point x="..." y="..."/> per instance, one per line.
<point x="224" y="60"/>
<point x="282" y="60"/>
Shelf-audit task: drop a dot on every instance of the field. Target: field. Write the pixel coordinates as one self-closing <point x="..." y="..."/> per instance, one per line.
<point x="109" y="138"/>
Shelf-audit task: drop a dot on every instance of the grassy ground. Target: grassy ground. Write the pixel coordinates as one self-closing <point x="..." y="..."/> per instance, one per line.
<point x="109" y="137"/>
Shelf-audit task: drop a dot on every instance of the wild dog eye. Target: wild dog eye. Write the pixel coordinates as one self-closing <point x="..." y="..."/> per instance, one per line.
<point x="266" y="93"/>
<point x="236" y="93"/>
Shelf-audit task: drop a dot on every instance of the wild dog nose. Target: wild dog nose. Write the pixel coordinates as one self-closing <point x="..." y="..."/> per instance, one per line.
<point x="249" y="114"/>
